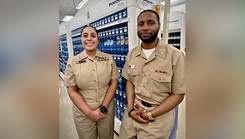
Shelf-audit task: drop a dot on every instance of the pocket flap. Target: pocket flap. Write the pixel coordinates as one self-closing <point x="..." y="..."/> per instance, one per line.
<point x="160" y="77"/>
<point x="133" y="72"/>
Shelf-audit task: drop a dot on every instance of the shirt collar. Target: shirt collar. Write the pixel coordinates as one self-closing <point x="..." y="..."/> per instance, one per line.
<point x="159" y="51"/>
<point x="84" y="55"/>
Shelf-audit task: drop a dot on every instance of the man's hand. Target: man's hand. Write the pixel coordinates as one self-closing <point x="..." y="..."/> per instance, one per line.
<point x="136" y="114"/>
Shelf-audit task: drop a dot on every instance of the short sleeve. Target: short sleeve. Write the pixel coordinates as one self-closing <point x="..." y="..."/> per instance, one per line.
<point x="178" y="79"/>
<point x="69" y="79"/>
<point x="114" y="72"/>
<point x="125" y="69"/>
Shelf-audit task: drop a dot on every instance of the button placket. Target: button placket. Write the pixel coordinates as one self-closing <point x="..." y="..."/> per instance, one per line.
<point x="96" y="80"/>
<point x="144" y="77"/>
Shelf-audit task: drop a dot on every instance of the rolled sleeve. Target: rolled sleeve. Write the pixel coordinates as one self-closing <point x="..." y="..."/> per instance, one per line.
<point x="69" y="79"/>
<point x="178" y="79"/>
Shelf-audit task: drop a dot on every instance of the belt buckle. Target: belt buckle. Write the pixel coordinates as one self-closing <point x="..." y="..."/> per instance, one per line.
<point x="145" y="104"/>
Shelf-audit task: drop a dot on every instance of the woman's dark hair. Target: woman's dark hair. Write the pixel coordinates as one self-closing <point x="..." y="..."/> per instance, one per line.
<point x="91" y="27"/>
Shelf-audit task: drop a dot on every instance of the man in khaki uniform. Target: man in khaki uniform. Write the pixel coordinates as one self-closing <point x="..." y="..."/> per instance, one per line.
<point x="91" y="81"/>
<point x="155" y="83"/>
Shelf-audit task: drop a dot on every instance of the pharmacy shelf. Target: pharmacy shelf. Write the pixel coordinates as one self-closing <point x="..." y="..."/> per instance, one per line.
<point x="113" y="23"/>
<point x="106" y="25"/>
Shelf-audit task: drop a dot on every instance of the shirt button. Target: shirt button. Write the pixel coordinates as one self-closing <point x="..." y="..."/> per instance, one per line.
<point x="143" y="85"/>
<point x="94" y="80"/>
<point x="93" y="69"/>
<point x="95" y="90"/>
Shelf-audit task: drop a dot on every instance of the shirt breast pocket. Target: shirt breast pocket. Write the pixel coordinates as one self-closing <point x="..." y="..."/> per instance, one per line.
<point x="133" y="76"/>
<point x="160" y="82"/>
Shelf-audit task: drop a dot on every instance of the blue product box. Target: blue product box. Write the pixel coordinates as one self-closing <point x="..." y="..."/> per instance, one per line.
<point x="120" y="70"/>
<point x="109" y="40"/>
<point x="106" y="35"/>
<point x="125" y="14"/>
<point x="117" y="36"/>
<point x="100" y="23"/>
<point x="122" y="60"/>
<point x="118" y="49"/>
<point x="103" y="21"/>
<point x="122" y="51"/>
<point x="120" y="15"/>
<point x="125" y="30"/>
<point x="103" y="48"/>
<point x="113" y="38"/>
<point x="112" y="18"/>
<point x="121" y="113"/>
<point x="118" y="60"/>
<point x="119" y="79"/>
<point x="114" y="57"/>
<point x="108" y="19"/>
<point x="103" y="35"/>
<point x="116" y="16"/>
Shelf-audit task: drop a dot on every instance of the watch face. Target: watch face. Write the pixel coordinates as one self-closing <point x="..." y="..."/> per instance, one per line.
<point x="103" y="109"/>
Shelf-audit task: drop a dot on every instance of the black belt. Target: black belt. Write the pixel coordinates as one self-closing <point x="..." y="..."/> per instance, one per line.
<point x="145" y="104"/>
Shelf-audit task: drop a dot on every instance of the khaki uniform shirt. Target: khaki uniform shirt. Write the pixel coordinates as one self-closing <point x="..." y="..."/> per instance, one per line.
<point x="154" y="78"/>
<point x="92" y="76"/>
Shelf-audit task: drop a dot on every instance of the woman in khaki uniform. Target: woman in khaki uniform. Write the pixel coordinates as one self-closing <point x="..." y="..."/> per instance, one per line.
<point x="91" y="81"/>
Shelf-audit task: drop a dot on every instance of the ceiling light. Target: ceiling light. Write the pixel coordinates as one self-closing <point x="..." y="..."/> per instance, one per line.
<point x="67" y="18"/>
<point x="80" y="5"/>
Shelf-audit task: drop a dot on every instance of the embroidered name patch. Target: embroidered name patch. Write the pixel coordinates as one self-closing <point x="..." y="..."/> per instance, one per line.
<point x="81" y="61"/>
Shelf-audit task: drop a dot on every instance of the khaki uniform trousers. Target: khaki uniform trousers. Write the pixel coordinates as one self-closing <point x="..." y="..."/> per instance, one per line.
<point x="88" y="129"/>
<point x="159" y="129"/>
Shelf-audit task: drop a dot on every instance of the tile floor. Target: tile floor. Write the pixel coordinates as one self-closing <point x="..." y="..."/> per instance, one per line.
<point x="67" y="128"/>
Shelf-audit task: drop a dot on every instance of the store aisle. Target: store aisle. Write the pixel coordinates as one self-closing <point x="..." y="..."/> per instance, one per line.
<point x="67" y="128"/>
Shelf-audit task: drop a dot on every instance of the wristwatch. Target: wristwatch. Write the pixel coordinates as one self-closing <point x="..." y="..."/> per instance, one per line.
<point x="103" y="109"/>
<point x="150" y="118"/>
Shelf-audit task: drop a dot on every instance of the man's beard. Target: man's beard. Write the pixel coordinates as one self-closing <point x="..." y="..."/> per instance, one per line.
<point x="151" y="39"/>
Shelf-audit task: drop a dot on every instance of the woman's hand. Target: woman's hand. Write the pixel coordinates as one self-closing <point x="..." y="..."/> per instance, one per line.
<point x="96" y="115"/>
